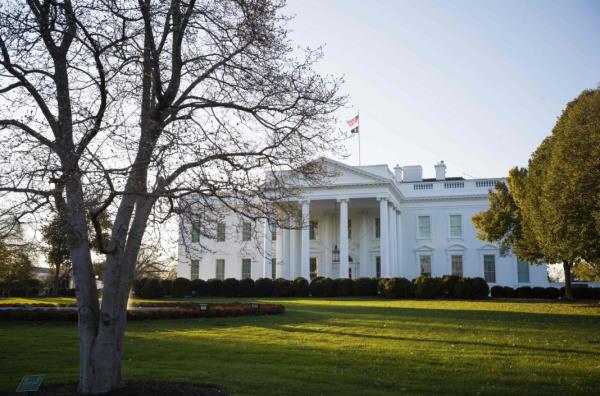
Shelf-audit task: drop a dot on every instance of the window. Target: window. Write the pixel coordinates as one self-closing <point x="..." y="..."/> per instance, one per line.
<point x="455" y="226"/>
<point x="349" y="229"/>
<point x="273" y="232"/>
<point x="424" y="227"/>
<point x="457" y="265"/>
<point x="312" y="230"/>
<point x="425" y="264"/>
<point x="489" y="268"/>
<point x="273" y="268"/>
<point x="195" y="269"/>
<point x="195" y="232"/>
<point x="246" y="268"/>
<point x="314" y="269"/>
<point x="377" y="228"/>
<point x="220" y="270"/>
<point x="523" y="271"/>
<point x="378" y="266"/>
<point x="221" y="232"/>
<point x="246" y="231"/>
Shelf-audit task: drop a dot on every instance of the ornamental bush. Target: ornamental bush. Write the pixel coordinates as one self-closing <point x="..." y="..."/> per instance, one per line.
<point x="214" y="287"/>
<point x="498" y="291"/>
<point x="263" y="287"/>
<point x="231" y="287"/>
<point x="181" y="288"/>
<point x="153" y="289"/>
<point x="365" y="287"/>
<point x="427" y="287"/>
<point x="300" y="287"/>
<point x="138" y="285"/>
<point x="551" y="293"/>
<point x="538" y="292"/>
<point x="381" y="285"/>
<point x="321" y="287"/>
<point x="509" y="292"/>
<point x="581" y="292"/>
<point x="524" y="292"/>
<point x="199" y="288"/>
<point x="247" y="288"/>
<point x="471" y="289"/>
<point x="595" y="293"/>
<point x="343" y="287"/>
<point x="448" y="284"/>
<point x="282" y="288"/>
<point x="396" y="288"/>
<point x="167" y="285"/>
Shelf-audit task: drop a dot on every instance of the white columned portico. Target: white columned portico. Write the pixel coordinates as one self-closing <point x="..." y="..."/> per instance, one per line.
<point x="267" y="249"/>
<point x="343" y="237"/>
<point x="305" y="241"/>
<point x="399" y="244"/>
<point x="393" y="244"/>
<point x="384" y="237"/>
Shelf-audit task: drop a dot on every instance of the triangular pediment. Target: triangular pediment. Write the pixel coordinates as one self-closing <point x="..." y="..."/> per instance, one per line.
<point x="340" y="174"/>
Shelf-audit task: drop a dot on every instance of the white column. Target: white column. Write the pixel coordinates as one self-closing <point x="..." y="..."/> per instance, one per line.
<point x="285" y="243"/>
<point x="305" y="242"/>
<point x="384" y="237"/>
<point x="267" y="249"/>
<point x="365" y="269"/>
<point x="393" y="245"/>
<point x="399" y="252"/>
<point x="293" y="250"/>
<point x="343" y="238"/>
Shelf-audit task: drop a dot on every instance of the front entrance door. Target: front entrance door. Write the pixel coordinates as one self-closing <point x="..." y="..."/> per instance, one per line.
<point x="314" y="268"/>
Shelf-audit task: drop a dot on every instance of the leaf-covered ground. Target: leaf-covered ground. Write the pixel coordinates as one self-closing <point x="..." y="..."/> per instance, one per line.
<point x="343" y="347"/>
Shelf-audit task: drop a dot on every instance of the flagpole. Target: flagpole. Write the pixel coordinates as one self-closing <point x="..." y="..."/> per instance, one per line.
<point x="359" y="161"/>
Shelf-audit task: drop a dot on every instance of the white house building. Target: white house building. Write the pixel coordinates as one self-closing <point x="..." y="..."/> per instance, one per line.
<point x="366" y="221"/>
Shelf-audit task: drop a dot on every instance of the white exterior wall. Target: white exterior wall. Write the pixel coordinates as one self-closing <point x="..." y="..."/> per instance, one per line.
<point x="363" y="186"/>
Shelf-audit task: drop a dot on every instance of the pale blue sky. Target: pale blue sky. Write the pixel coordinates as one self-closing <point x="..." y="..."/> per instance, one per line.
<point x="478" y="84"/>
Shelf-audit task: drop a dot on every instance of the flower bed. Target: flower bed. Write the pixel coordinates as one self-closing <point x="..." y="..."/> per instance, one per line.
<point x="145" y="311"/>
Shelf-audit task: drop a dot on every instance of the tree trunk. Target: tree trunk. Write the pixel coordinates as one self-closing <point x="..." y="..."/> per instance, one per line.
<point x="56" y="282"/>
<point x="568" y="288"/>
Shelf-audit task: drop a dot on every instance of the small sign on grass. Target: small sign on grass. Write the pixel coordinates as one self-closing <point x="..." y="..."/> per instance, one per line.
<point x="30" y="383"/>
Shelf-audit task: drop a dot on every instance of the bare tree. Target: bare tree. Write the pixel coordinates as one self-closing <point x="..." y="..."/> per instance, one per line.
<point x="143" y="110"/>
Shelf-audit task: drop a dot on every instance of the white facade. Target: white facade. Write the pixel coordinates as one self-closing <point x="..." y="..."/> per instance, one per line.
<point x="382" y="223"/>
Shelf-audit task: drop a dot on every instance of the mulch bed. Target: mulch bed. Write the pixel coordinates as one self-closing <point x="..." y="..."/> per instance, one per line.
<point x="145" y="311"/>
<point x="135" y="388"/>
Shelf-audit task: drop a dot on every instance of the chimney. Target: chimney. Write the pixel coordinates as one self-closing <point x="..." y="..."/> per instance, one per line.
<point x="412" y="173"/>
<point x="440" y="171"/>
<point x="398" y="173"/>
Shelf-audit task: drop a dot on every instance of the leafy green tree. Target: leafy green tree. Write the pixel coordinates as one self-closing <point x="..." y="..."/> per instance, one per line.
<point x="586" y="272"/>
<point x="551" y="211"/>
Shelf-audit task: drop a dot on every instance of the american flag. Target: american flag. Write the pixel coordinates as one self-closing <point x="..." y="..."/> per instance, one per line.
<point x="353" y="124"/>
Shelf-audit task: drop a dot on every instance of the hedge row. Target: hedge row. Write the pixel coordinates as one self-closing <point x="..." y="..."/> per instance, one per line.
<point x="549" y="293"/>
<point x="421" y="287"/>
<point x="179" y="311"/>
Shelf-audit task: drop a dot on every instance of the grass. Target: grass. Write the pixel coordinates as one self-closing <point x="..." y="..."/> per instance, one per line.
<point x="344" y="347"/>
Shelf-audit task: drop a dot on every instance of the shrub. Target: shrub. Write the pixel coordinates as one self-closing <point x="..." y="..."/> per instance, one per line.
<point x="498" y="291"/>
<point x="381" y="285"/>
<point x="282" y="288"/>
<point x="427" y="287"/>
<point x="471" y="288"/>
<point x="263" y="287"/>
<point x="214" y="287"/>
<point x="246" y="288"/>
<point x="396" y="288"/>
<point x="365" y="287"/>
<point x="581" y="292"/>
<point x="448" y="284"/>
<point x="199" y="288"/>
<point x="231" y="287"/>
<point x="538" y="292"/>
<point x="595" y="293"/>
<point x="343" y="287"/>
<point x="551" y="293"/>
<point x="509" y="292"/>
<point x="167" y="285"/>
<point x="153" y="289"/>
<point x="300" y="287"/>
<point x="181" y="287"/>
<point x="524" y="292"/>
<point x="321" y="287"/>
<point x="138" y="285"/>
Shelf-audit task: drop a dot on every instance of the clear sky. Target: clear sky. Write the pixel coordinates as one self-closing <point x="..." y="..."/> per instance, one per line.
<point x="478" y="84"/>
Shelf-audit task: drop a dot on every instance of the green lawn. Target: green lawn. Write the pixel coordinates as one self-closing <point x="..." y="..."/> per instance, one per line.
<point x="344" y="347"/>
